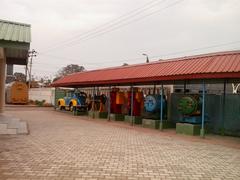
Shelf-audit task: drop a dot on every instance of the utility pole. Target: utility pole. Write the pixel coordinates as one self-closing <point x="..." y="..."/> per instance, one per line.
<point x="31" y="54"/>
<point x="26" y="71"/>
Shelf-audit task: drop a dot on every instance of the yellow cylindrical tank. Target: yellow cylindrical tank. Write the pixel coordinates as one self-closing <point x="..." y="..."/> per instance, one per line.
<point x="17" y="93"/>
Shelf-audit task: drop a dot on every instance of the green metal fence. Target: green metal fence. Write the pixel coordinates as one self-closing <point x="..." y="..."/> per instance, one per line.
<point x="231" y="120"/>
<point x="59" y="93"/>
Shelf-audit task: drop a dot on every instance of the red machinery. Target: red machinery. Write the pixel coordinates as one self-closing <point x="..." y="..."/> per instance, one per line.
<point x="137" y="102"/>
<point x="116" y="106"/>
<point x="119" y="99"/>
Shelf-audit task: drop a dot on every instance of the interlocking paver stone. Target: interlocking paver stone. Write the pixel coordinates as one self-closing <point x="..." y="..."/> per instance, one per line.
<point x="61" y="146"/>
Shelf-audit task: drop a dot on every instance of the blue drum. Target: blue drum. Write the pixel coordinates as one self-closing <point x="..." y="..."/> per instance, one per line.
<point x="152" y="103"/>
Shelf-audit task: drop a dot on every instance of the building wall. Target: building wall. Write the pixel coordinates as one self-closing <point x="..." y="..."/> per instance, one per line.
<point x="47" y="94"/>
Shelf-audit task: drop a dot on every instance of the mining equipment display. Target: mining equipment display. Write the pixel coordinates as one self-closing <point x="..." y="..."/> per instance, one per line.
<point x="117" y="101"/>
<point x="98" y="103"/>
<point x="152" y="107"/>
<point x="73" y="101"/>
<point x="190" y="108"/>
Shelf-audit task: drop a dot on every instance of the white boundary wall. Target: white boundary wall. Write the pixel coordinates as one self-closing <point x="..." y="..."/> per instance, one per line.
<point x="47" y="94"/>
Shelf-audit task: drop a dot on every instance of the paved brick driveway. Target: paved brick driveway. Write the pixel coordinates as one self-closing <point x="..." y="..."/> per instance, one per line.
<point x="61" y="146"/>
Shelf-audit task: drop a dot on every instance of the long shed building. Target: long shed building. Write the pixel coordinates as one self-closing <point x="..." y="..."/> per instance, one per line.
<point x="222" y="68"/>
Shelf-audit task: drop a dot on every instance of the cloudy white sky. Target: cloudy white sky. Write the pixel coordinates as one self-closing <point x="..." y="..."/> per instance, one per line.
<point x="67" y="31"/>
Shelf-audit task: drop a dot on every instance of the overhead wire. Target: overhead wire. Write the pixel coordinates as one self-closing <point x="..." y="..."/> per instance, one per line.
<point x="118" y="20"/>
<point x="91" y="34"/>
<point x="102" y="32"/>
<point x="196" y="49"/>
<point x="137" y="58"/>
<point x="122" y="25"/>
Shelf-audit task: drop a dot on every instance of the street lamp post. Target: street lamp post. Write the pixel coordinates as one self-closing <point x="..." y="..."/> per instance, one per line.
<point x="147" y="59"/>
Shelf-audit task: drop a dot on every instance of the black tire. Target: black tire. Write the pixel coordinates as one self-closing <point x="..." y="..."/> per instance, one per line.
<point x="59" y="106"/>
<point x="71" y="107"/>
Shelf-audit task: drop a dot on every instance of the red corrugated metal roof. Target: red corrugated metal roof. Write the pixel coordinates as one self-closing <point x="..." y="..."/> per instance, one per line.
<point x="222" y="65"/>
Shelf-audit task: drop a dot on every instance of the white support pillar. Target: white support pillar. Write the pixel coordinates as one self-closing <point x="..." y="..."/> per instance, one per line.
<point x="2" y="79"/>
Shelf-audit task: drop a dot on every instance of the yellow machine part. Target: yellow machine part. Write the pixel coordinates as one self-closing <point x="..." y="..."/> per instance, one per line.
<point x="61" y="102"/>
<point x="74" y="102"/>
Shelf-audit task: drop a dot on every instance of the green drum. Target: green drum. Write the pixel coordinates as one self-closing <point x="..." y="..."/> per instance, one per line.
<point x="188" y="105"/>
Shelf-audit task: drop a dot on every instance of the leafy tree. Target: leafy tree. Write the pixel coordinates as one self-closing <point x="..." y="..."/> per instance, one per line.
<point x="20" y="76"/>
<point x="56" y="78"/>
<point x="46" y="81"/>
<point x="69" y="69"/>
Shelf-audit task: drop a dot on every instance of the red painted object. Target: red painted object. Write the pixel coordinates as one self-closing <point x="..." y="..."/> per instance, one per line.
<point x="136" y="105"/>
<point x="222" y="65"/>
<point x="115" y="108"/>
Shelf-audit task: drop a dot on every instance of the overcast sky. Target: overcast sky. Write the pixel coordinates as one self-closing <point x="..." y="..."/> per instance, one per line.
<point x="67" y="31"/>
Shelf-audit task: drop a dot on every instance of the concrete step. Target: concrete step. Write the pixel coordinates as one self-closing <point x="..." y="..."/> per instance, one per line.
<point x="11" y="125"/>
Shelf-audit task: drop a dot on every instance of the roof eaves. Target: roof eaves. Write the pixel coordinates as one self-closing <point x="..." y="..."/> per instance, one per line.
<point x="15" y="23"/>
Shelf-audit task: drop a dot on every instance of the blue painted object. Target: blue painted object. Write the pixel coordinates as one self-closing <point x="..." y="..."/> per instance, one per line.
<point x="191" y="119"/>
<point x="70" y="98"/>
<point x="81" y="100"/>
<point x="152" y="103"/>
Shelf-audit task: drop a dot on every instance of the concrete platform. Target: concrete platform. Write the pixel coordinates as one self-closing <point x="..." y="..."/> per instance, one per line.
<point x="80" y="113"/>
<point x="136" y="119"/>
<point x="101" y="115"/>
<point x="155" y="124"/>
<point x="149" y="123"/>
<point x="117" y="117"/>
<point x="188" y="129"/>
<point x="91" y="114"/>
<point x="98" y="115"/>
